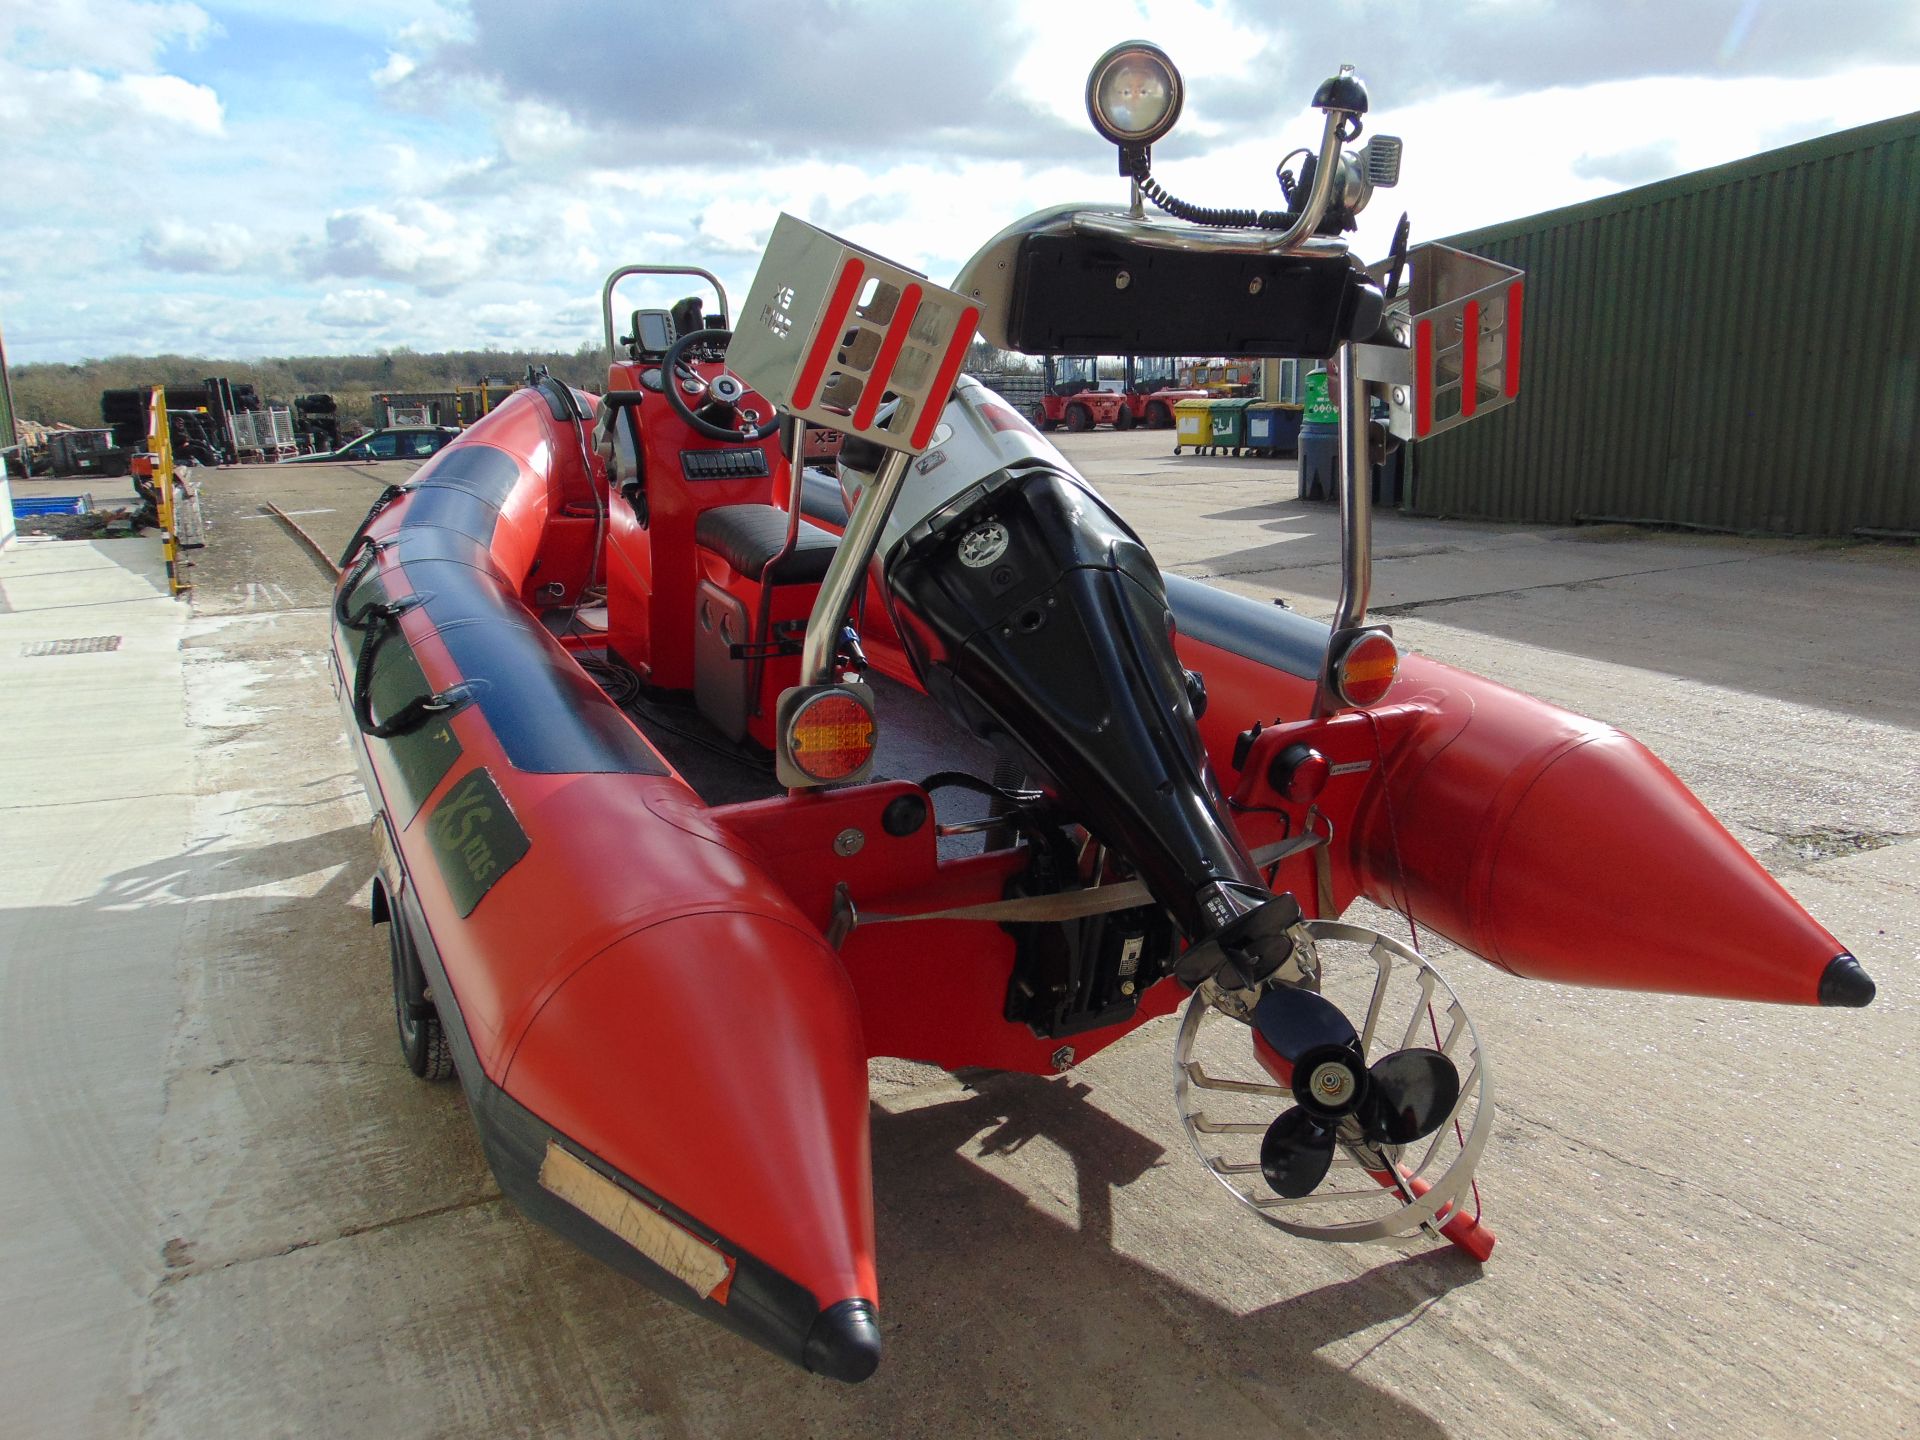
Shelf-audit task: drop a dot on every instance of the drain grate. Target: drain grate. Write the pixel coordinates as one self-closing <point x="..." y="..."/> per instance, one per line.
<point x="84" y="645"/>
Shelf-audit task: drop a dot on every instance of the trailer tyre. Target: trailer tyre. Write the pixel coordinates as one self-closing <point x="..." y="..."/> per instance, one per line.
<point x="423" y="1039"/>
<point x="1079" y="418"/>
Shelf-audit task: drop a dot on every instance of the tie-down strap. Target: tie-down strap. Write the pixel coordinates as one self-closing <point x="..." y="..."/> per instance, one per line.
<point x="1063" y="905"/>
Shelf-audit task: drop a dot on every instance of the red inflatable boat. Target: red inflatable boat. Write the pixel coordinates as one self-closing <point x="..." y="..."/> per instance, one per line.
<point x="701" y="779"/>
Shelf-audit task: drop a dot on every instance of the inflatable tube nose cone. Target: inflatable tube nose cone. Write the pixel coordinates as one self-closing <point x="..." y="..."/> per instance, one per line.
<point x="845" y="1342"/>
<point x="1845" y="982"/>
<point x="1608" y="871"/>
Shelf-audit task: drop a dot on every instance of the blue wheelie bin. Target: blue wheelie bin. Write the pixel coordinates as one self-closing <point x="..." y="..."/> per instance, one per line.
<point x="1273" y="429"/>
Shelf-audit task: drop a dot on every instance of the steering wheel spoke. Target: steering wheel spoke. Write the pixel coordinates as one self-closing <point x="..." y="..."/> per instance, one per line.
<point x="704" y="402"/>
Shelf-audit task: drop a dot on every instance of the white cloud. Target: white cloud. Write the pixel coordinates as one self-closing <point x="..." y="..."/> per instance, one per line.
<point x="397" y="68"/>
<point x="117" y="35"/>
<point x="519" y="322"/>
<point x="533" y="133"/>
<point x="62" y="107"/>
<point x="360" y="309"/>
<point x="416" y="241"/>
<point x="173" y="101"/>
<point x="735" y="227"/>
<point x="209" y="247"/>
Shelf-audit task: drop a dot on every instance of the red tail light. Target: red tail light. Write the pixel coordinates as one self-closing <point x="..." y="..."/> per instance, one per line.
<point x="1366" y="668"/>
<point x="829" y="736"/>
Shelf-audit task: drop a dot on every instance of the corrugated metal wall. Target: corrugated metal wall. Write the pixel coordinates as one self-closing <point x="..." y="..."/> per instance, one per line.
<point x="1736" y="349"/>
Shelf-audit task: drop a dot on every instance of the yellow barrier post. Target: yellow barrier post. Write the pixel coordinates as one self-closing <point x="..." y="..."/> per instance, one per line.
<point x="160" y="458"/>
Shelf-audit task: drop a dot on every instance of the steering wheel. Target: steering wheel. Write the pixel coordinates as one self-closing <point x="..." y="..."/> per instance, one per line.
<point x="686" y="388"/>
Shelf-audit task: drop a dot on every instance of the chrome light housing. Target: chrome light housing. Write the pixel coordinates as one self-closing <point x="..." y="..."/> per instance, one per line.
<point x="1134" y="94"/>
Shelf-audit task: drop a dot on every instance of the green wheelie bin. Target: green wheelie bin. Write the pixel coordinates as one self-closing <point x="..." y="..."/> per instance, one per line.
<point x="1227" y="425"/>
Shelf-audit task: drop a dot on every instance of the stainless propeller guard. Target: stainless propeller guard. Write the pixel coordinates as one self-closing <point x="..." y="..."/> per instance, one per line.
<point x="1376" y="1214"/>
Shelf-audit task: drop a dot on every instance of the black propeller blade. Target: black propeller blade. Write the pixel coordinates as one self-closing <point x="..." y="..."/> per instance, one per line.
<point x="1296" y="1154"/>
<point x="1294" y="1021"/>
<point x="1410" y="1093"/>
<point x="1402" y="1098"/>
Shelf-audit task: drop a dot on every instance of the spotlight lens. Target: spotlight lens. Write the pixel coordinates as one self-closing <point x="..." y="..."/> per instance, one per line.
<point x="1134" y="94"/>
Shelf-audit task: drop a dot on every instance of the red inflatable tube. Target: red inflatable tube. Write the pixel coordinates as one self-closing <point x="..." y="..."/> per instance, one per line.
<point x="1554" y="846"/>
<point x="664" y="1058"/>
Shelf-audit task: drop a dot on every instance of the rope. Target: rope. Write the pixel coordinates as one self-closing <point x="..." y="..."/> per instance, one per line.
<point x="1406" y="909"/>
<point x="313" y="545"/>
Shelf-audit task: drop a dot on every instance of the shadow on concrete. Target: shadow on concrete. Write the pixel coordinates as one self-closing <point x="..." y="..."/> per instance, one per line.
<point x="1799" y="621"/>
<point x="1016" y="1262"/>
<point x="296" y="1151"/>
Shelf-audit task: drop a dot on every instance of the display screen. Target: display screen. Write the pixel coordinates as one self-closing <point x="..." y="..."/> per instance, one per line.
<point x="653" y="331"/>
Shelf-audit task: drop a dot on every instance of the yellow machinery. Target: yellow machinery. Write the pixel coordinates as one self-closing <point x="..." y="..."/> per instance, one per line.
<point x="175" y="512"/>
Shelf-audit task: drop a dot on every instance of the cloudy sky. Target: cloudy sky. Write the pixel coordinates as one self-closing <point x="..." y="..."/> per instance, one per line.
<point x="249" y="177"/>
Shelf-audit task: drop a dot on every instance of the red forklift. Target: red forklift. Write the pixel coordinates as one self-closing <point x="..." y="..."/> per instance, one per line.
<point x="1073" y="396"/>
<point x="1154" y="387"/>
<point x="1144" y="394"/>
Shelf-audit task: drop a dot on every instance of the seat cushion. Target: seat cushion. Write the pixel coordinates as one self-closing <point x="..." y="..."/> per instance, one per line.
<point x="748" y="536"/>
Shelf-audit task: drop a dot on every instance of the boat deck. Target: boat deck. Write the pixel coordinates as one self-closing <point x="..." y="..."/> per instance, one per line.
<point x="916" y="740"/>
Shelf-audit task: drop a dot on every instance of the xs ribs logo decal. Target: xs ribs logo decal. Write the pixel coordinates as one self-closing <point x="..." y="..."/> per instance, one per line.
<point x="475" y="838"/>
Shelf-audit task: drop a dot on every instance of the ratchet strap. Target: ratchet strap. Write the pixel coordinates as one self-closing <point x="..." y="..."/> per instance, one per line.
<point x="1078" y="904"/>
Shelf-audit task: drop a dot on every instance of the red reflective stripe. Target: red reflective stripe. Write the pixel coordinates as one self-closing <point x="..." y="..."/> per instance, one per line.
<point x="1470" y="360"/>
<point x="949" y="372"/>
<point x="827" y="338"/>
<point x="1511" y="362"/>
<point x="889" y="352"/>
<point x="1423" y="377"/>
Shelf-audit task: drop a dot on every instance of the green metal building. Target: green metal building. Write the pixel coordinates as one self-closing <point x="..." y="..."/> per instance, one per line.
<point x="1733" y="350"/>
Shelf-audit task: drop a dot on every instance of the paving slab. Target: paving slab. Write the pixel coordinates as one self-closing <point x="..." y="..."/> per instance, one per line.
<point x="98" y="779"/>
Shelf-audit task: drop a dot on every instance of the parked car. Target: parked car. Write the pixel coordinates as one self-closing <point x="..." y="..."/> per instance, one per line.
<point x="390" y="442"/>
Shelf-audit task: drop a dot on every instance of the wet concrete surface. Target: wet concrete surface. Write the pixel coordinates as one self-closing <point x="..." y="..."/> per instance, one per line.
<point x="1702" y="1207"/>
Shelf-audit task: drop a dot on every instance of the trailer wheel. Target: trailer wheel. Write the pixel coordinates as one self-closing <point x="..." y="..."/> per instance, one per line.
<point x="1123" y="419"/>
<point x="1079" y="418"/>
<point x="1159" y="417"/>
<point x="423" y="1039"/>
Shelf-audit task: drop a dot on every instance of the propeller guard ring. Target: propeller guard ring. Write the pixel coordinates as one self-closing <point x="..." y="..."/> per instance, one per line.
<point x="1215" y="1066"/>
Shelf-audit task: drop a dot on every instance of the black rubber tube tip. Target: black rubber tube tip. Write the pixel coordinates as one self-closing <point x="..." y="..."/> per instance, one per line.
<point x="1843" y="982"/>
<point x="844" y="1343"/>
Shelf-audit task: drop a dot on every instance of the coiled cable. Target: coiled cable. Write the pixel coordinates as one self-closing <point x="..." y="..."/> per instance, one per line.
<point x="1225" y="219"/>
<point x="1238" y="218"/>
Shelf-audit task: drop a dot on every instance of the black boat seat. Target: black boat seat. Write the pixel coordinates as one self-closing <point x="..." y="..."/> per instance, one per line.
<point x="748" y="536"/>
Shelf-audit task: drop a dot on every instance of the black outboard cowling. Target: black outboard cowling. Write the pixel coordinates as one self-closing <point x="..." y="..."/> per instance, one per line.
<point x="1036" y="616"/>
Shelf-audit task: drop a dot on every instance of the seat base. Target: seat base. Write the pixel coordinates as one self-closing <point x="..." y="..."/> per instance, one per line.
<point x="748" y="536"/>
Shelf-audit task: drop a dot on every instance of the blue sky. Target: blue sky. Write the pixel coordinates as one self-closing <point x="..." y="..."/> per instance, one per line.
<point x="267" y="177"/>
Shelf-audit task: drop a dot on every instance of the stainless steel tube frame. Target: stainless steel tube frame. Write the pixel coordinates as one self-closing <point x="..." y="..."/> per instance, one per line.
<point x="1326" y="169"/>
<point x="796" y="439"/>
<point x="1132" y="224"/>
<point x="606" y="293"/>
<point x="1356" y="495"/>
<point x="848" y="570"/>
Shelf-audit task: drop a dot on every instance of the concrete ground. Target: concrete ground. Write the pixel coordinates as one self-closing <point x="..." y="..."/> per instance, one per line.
<point x="229" y="1210"/>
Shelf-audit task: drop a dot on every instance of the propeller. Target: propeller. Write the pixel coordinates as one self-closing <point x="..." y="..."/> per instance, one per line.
<point x="1305" y="1042"/>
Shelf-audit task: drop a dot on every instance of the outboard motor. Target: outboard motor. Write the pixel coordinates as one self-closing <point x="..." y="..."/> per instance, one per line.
<point x="1037" y="618"/>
